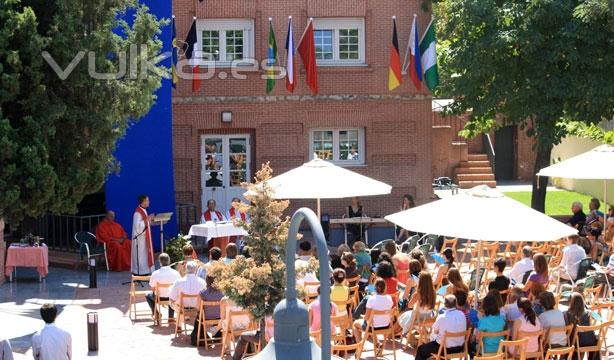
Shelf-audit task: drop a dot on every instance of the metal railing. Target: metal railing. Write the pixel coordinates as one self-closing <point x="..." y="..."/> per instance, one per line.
<point x="187" y="215"/>
<point x="489" y="149"/>
<point x="58" y="230"/>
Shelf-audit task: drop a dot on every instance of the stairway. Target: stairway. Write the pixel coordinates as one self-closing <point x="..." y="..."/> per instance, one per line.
<point x="475" y="171"/>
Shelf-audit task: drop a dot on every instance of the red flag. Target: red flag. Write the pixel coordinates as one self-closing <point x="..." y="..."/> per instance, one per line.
<point x="307" y="50"/>
<point x="196" y="79"/>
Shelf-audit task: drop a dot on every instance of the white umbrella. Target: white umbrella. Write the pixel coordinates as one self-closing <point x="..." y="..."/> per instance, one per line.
<point x="596" y="164"/>
<point x="482" y="214"/>
<point x="320" y="179"/>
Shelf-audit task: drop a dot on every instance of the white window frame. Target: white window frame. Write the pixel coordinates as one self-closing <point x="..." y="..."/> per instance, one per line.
<point x="337" y="24"/>
<point x="336" y="160"/>
<point x="223" y="25"/>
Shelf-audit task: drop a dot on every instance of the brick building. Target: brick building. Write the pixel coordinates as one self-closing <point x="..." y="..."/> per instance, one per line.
<point x="354" y="120"/>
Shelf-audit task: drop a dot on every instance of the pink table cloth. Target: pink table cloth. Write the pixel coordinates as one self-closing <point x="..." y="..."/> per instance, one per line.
<point x="37" y="257"/>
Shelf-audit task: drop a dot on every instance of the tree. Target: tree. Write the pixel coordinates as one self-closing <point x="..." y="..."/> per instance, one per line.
<point x="258" y="283"/>
<point x="57" y="136"/>
<point x="536" y="63"/>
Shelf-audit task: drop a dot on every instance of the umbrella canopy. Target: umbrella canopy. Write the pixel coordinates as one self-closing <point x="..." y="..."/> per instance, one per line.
<point x="320" y="179"/>
<point x="595" y="164"/>
<point x="482" y="213"/>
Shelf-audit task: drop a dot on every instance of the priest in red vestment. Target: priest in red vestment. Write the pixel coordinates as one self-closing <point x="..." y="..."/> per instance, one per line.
<point x="118" y="245"/>
<point x="234" y="213"/>
<point x="212" y="214"/>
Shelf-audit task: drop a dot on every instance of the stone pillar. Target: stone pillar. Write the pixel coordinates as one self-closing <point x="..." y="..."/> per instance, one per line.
<point x="2" y="251"/>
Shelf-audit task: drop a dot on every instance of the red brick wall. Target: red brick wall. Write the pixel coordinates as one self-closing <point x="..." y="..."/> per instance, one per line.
<point x="397" y="124"/>
<point x="525" y="156"/>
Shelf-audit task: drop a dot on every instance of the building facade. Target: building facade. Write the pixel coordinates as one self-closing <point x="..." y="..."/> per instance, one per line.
<point x="226" y="130"/>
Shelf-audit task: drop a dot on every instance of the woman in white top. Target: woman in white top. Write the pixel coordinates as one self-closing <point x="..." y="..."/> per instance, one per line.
<point x="528" y="322"/>
<point x="380" y="301"/>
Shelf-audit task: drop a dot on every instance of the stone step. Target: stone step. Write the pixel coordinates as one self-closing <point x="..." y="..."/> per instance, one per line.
<point x="475" y="177"/>
<point x="475" y="163"/>
<point x="470" y="184"/>
<point x="477" y="157"/>
<point x="473" y="170"/>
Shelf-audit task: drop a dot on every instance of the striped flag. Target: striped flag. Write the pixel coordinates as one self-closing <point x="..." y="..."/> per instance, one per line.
<point x="290" y="64"/>
<point x="429" y="56"/>
<point x="190" y="54"/>
<point x="415" y="62"/>
<point x="175" y="78"/>
<point x="394" y="69"/>
<point x="272" y="52"/>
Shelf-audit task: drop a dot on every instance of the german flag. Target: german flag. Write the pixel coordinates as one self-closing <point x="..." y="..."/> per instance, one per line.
<point x="394" y="69"/>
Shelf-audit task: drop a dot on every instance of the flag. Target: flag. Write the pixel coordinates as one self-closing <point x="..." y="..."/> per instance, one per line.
<point x="394" y="69"/>
<point x="307" y="51"/>
<point x="290" y="65"/>
<point x="428" y="56"/>
<point x="190" y="48"/>
<point x="415" y="64"/>
<point x="270" y="82"/>
<point x="175" y="78"/>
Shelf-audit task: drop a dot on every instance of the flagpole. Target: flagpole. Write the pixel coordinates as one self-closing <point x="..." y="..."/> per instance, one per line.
<point x="408" y="50"/>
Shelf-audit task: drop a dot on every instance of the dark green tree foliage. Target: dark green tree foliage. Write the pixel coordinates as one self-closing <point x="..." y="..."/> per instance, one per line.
<point x="537" y="63"/>
<point x="57" y="136"/>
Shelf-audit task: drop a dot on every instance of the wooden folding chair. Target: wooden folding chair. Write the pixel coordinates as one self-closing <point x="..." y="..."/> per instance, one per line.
<point x="354" y="294"/>
<point x="443" y="353"/>
<point x="481" y="335"/>
<point x="554" y="330"/>
<point x="539" y="354"/>
<point x="592" y="295"/>
<point x="605" y="327"/>
<point x="590" y="348"/>
<point x="518" y="348"/>
<point x="449" y="243"/>
<point x="310" y="295"/>
<point x="605" y="310"/>
<point x="229" y="335"/>
<point x="158" y="303"/>
<point x="491" y="357"/>
<point x="136" y="295"/>
<point x="185" y="312"/>
<point x="202" y="333"/>
<point x="353" y="281"/>
<point x="342" y="324"/>
<point x="387" y="333"/>
<point x="345" y="308"/>
<point x="559" y="353"/>
<point x="317" y="336"/>
<point x="422" y="332"/>
<point x="338" y="349"/>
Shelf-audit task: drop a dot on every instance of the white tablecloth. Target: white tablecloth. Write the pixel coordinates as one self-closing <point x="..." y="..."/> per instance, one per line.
<point x="212" y="230"/>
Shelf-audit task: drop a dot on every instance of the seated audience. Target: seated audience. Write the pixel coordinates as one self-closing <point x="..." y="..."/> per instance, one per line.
<point x="471" y="315"/>
<point x="210" y="294"/>
<point x="596" y="246"/>
<point x="349" y="266"/>
<point x="455" y="282"/>
<point x="491" y="321"/>
<point x="253" y="337"/>
<point x="414" y="273"/>
<point x="231" y="253"/>
<point x="418" y="255"/>
<point x="452" y="320"/>
<point x="501" y="282"/>
<point x="552" y="317"/>
<point x="305" y="251"/>
<point x="400" y="261"/>
<point x="51" y="342"/>
<point x="512" y="313"/>
<point x="385" y="270"/>
<point x="119" y="246"/>
<point x="443" y="269"/>
<point x="528" y="322"/>
<point x="539" y="276"/>
<point x="421" y="303"/>
<point x="239" y="322"/>
<point x="164" y="275"/>
<point x="522" y="266"/>
<point x="335" y="259"/>
<point x="215" y="254"/>
<point x="594" y="215"/>
<point x="315" y="321"/>
<point x="572" y="256"/>
<point x="363" y="262"/>
<point x="576" y="314"/>
<point x="380" y="302"/>
<point x="578" y="219"/>
<point x="188" y="255"/>
<point x="339" y="293"/>
<point x="190" y="284"/>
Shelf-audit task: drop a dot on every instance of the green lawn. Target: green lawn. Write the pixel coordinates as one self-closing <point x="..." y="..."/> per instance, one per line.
<point x="557" y="202"/>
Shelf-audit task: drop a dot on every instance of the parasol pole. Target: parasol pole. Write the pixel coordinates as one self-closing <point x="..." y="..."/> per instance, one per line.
<point x="477" y="276"/>
<point x="318" y="208"/>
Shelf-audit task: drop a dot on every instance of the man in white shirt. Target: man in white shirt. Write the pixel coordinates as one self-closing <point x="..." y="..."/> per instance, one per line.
<point x="188" y="285"/>
<point x="51" y="342"/>
<point x="164" y="275"/>
<point x="522" y="266"/>
<point x="572" y="256"/>
<point x="453" y="321"/>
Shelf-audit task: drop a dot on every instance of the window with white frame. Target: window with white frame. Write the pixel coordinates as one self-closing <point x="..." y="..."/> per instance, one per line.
<point x="223" y="41"/>
<point x="342" y="146"/>
<point x="339" y="41"/>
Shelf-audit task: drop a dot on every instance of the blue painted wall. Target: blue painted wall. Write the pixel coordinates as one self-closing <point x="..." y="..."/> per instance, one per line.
<point x="146" y="153"/>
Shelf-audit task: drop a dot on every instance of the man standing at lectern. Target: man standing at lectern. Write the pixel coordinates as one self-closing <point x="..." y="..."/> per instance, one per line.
<point x="142" y="247"/>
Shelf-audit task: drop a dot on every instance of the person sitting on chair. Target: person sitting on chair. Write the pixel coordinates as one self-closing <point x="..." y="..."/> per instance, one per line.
<point x="522" y="266"/>
<point x="164" y="275"/>
<point x="190" y="284"/>
<point x="452" y="320"/>
<point x="572" y="255"/>
<point x="119" y="247"/>
<point x="579" y="217"/>
<point x="188" y="255"/>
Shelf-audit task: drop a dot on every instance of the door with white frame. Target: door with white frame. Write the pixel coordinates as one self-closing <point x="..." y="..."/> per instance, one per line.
<point x="226" y="164"/>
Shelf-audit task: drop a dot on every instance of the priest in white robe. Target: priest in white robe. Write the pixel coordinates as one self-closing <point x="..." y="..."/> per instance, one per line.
<point x="142" y="247"/>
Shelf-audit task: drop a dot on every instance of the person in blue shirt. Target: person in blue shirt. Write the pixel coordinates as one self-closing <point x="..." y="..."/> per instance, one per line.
<point x="363" y="261"/>
<point x="492" y="321"/>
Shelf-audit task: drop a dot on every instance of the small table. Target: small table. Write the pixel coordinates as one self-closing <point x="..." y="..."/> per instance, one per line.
<point x="212" y="230"/>
<point x="358" y="220"/>
<point x="28" y="256"/>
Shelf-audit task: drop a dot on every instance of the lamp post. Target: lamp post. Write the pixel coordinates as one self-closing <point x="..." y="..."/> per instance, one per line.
<point x="291" y="337"/>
